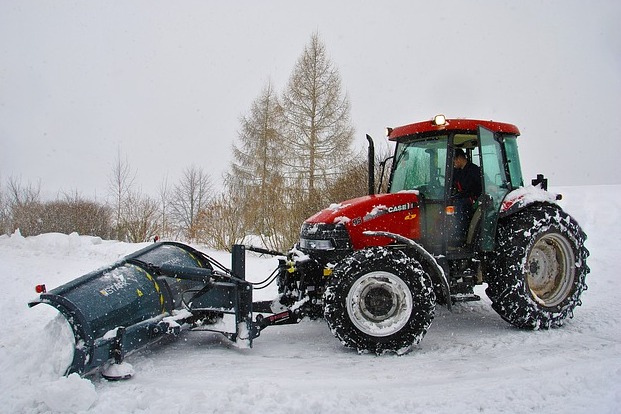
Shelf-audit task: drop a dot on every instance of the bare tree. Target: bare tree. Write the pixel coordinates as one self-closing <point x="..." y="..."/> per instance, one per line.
<point x="120" y="185"/>
<point x="24" y="206"/>
<point x="140" y="218"/>
<point x="22" y="194"/>
<point x="319" y="133"/>
<point x="69" y="213"/>
<point x="164" y="199"/>
<point x="218" y="224"/>
<point x="5" y="215"/>
<point x="189" y="197"/>
<point x="74" y="213"/>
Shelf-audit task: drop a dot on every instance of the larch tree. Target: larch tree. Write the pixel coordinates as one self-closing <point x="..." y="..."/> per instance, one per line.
<point x="256" y="173"/>
<point x="319" y="131"/>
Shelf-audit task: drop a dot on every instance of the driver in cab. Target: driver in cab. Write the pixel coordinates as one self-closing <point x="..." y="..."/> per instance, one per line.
<point x="466" y="189"/>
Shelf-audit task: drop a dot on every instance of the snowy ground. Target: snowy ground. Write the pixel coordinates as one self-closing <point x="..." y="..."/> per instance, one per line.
<point x="470" y="361"/>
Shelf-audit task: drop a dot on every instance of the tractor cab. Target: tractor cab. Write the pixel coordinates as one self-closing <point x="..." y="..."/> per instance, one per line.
<point x="452" y="223"/>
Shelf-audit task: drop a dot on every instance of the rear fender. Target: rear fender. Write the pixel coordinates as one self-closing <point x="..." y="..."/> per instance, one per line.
<point x="523" y="197"/>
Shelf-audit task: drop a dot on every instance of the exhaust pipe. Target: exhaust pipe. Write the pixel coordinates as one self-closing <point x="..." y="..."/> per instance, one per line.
<point x="371" y="157"/>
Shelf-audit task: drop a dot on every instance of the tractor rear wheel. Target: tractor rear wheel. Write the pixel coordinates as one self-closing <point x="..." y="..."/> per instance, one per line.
<point x="379" y="300"/>
<point x="537" y="273"/>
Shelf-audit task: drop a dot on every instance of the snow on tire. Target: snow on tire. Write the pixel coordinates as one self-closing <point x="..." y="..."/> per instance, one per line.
<point x="537" y="273"/>
<point x="379" y="300"/>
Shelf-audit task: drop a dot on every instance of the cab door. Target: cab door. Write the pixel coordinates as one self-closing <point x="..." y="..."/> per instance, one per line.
<point x="495" y="185"/>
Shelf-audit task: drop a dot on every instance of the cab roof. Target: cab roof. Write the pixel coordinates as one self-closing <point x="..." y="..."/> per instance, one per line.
<point x="455" y="124"/>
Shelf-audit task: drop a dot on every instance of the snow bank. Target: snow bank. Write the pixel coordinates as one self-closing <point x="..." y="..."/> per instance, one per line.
<point x="470" y="361"/>
<point x="70" y="394"/>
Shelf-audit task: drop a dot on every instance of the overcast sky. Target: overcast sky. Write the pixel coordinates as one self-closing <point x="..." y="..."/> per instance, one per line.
<point x="165" y="83"/>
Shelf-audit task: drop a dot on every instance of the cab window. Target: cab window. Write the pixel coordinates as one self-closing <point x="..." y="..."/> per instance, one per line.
<point x="421" y="165"/>
<point x="513" y="158"/>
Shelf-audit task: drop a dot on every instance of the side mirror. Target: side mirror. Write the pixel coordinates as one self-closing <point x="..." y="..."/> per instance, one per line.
<point x="540" y="180"/>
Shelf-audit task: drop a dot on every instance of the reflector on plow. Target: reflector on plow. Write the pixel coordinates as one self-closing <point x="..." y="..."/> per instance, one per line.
<point x="149" y="294"/>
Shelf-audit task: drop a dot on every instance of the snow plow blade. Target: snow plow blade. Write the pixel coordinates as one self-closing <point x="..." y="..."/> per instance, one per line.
<point x="147" y="295"/>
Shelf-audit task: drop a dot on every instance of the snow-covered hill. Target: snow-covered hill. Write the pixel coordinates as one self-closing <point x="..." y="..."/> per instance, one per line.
<point x="470" y="361"/>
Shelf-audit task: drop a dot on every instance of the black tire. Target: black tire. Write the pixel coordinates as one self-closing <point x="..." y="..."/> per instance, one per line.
<point x="538" y="271"/>
<point x="379" y="300"/>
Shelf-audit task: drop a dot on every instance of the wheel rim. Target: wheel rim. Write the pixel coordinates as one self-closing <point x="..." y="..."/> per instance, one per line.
<point x="379" y="304"/>
<point x="550" y="269"/>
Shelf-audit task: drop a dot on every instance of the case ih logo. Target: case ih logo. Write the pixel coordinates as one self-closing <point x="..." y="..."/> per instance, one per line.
<point x="381" y="210"/>
<point x="402" y="207"/>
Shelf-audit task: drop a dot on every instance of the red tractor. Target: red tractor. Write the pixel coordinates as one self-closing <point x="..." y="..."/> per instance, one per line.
<point x="376" y="266"/>
<point x="456" y="215"/>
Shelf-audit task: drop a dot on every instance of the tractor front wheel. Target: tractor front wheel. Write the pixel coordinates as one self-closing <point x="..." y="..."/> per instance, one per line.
<point x="537" y="274"/>
<point x="379" y="300"/>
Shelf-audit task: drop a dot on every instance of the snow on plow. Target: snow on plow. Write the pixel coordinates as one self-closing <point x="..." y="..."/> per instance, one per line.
<point x="147" y="295"/>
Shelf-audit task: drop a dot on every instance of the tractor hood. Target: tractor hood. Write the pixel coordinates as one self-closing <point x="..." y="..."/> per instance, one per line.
<point x="396" y="213"/>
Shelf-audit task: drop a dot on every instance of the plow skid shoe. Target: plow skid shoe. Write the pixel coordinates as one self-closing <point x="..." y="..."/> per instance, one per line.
<point x="124" y="306"/>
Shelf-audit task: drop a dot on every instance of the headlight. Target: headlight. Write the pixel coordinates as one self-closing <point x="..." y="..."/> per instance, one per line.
<point x="311" y="244"/>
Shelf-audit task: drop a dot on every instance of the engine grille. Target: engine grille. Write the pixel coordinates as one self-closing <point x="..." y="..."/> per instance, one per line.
<point x="336" y="233"/>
